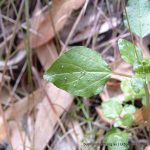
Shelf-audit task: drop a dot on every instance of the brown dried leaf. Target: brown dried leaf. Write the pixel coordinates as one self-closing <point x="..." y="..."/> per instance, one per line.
<point x="138" y="115"/>
<point x="17" y="110"/>
<point x="50" y="23"/>
<point x="77" y="134"/>
<point x="47" y="54"/>
<point x="3" y="133"/>
<point x="46" y="118"/>
<point x="19" y="139"/>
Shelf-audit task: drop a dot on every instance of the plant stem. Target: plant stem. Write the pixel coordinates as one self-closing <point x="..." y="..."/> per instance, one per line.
<point x="121" y="74"/>
<point x="27" y="43"/>
<point x="146" y="109"/>
<point x="147" y="94"/>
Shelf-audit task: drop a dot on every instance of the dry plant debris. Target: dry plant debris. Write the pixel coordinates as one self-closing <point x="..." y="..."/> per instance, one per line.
<point x="37" y="115"/>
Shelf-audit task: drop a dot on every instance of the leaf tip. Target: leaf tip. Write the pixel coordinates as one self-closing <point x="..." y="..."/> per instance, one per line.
<point x="47" y="77"/>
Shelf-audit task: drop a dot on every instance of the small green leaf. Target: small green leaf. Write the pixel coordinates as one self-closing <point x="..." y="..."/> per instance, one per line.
<point x="137" y="84"/>
<point x="111" y="109"/>
<point x="142" y="69"/>
<point x="128" y="109"/>
<point x="116" y="139"/>
<point x="138" y="13"/>
<point x="80" y="71"/>
<point x="127" y="120"/>
<point x="127" y="50"/>
<point x="128" y="117"/>
<point x="127" y="88"/>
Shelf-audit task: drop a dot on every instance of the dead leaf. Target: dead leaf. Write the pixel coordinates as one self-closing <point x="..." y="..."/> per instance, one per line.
<point x="23" y="106"/>
<point x="63" y="145"/>
<point x="47" y="54"/>
<point x="19" y="139"/>
<point x="138" y="115"/>
<point x="84" y="33"/>
<point x="50" y="23"/>
<point x="77" y="133"/>
<point x="46" y="118"/>
<point x="3" y="133"/>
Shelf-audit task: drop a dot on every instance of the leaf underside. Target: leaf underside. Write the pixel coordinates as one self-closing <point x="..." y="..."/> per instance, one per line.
<point x="80" y="71"/>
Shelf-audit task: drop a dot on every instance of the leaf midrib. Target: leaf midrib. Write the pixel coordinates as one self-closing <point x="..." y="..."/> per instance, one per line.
<point x="79" y="73"/>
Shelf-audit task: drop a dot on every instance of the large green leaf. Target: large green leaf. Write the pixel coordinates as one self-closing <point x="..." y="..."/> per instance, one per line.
<point x="127" y="50"/>
<point x="138" y="13"/>
<point x="80" y="71"/>
<point x="111" y="109"/>
<point x="116" y="139"/>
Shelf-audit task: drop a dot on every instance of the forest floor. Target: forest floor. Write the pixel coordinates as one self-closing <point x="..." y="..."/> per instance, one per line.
<point x="36" y="115"/>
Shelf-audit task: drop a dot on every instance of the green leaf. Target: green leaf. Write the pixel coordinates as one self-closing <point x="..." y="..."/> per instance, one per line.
<point x="137" y="84"/>
<point x="142" y="69"/>
<point x="128" y="109"/>
<point x="128" y="117"/>
<point x="138" y="13"/>
<point x="80" y="71"/>
<point x="127" y="50"/>
<point x="127" y="88"/>
<point x="127" y="120"/>
<point x="111" y="109"/>
<point x="116" y="139"/>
